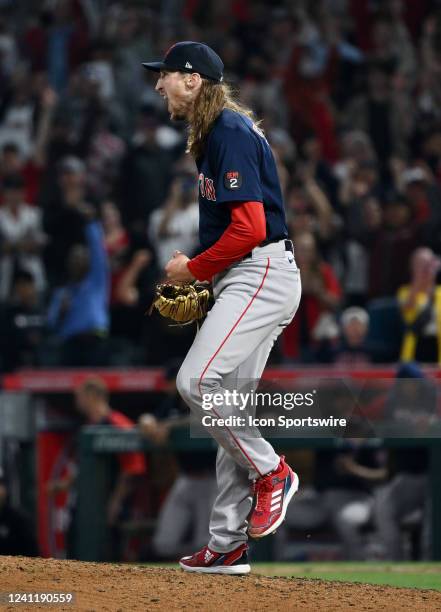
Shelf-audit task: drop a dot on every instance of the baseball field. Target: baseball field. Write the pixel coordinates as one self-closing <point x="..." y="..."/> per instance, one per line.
<point x="324" y="587"/>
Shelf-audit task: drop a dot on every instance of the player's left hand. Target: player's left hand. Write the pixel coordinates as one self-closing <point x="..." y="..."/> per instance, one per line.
<point x="177" y="270"/>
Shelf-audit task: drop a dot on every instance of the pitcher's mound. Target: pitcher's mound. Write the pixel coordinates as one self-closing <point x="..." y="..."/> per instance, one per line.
<point x="103" y="586"/>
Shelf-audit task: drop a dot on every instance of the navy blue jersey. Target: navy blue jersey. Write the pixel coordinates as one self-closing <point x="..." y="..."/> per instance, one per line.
<point x="237" y="166"/>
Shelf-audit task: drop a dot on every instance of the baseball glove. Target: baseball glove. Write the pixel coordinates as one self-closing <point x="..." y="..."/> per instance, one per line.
<point x="182" y="303"/>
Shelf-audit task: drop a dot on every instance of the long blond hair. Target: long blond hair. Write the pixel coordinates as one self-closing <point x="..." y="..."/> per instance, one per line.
<point x="212" y="99"/>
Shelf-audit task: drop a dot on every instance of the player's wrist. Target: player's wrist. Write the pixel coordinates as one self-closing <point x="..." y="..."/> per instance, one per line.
<point x="192" y="267"/>
<point x="193" y="277"/>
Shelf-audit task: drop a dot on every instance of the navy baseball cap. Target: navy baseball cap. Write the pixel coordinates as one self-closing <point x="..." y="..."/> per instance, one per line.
<point x="189" y="56"/>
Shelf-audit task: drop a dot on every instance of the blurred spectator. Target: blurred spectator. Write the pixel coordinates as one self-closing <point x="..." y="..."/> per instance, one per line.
<point x="383" y="112"/>
<point x="133" y="273"/>
<point x="411" y="406"/>
<point x="63" y="217"/>
<point x="12" y="163"/>
<point x="125" y="291"/>
<point x="310" y="75"/>
<point x="353" y="350"/>
<point x="17" y="115"/>
<point x="420" y="305"/>
<point x="424" y="197"/>
<point x="132" y="293"/>
<point x="92" y="401"/>
<point x="116" y="237"/>
<point x="355" y="251"/>
<point x="58" y="41"/>
<point x="22" y="324"/>
<point x="346" y="479"/>
<point x="146" y="171"/>
<point x="390" y="247"/>
<point x="391" y="42"/>
<point x="431" y="152"/>
<point x="106" y="151"/>
<point x="16" y="537"/>
<point x="282" y="170"/>
<point x="97" y="96"/>
<point x="283" y="147"/>
<point x="359" y="180"/>
<point x="187" y="507"/>
<point x="84" y="120"/>
<point x="175" y="225"/>
<point x="315" y="328"/>
<point x="8" y="50"/>
<point x="429" y="96"/>
<point x="130" y="30"/>
<point x="100" y="70"/>
<point x="406" y="496"/>
<point x="21" y="237"/>
<point x="31" y="166"/>
<point x="78" y="312"/>
<point x="309" y="210"/>
<point x="317" y="169"/>
<point x="355" y="149"/>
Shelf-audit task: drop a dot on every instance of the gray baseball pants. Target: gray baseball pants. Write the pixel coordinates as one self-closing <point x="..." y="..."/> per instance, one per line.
<point x="254" y="300"/>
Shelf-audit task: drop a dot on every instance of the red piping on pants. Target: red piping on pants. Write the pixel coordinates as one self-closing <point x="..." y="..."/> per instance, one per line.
<point x="217" y="352"/>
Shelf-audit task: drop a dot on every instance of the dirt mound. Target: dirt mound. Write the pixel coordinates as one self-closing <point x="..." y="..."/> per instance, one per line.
<point x="102" y="586"/>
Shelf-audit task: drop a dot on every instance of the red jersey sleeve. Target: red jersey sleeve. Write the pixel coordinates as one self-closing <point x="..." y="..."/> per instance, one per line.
<point x="246" y="231"/>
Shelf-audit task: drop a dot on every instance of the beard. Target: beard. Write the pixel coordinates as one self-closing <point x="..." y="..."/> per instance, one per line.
<point x="177" y="112"/>
<point x="177" y="116"/>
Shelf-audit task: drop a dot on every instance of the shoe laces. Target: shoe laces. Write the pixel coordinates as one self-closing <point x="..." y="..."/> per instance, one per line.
<point x="262" y="489"/>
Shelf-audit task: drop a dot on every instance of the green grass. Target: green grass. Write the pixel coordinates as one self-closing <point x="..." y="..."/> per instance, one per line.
<point x="409" y="575"/>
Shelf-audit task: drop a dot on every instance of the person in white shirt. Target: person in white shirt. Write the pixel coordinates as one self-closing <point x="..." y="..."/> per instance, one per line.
<point x="175" y="225"/>
<point x="21" y="237"/>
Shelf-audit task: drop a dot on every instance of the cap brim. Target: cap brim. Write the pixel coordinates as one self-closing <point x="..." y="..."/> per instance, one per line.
<point x="155" y="66"/>
<point x="158" y="66"/>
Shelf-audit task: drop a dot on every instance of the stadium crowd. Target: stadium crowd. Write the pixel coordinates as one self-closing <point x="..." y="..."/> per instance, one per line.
<point x="97" y="190"/>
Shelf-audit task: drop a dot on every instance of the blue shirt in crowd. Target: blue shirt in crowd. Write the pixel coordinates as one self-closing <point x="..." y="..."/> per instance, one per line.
<point x="89" y="299"/>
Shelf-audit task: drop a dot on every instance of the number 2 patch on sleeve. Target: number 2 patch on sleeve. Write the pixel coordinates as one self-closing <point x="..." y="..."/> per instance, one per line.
<point x="232" y="180"/>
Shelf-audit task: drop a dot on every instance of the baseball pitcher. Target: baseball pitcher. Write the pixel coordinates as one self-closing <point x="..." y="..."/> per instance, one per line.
<point x="256" y="286"/>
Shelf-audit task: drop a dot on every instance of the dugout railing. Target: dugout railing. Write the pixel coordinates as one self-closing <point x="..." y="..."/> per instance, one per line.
<point x="97" y="443"/>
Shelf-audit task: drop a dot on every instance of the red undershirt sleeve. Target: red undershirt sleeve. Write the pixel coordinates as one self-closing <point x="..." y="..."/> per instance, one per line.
<point x="247" y="230"/>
